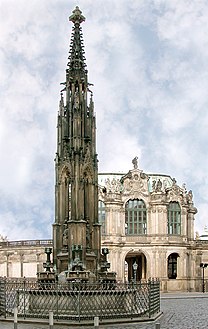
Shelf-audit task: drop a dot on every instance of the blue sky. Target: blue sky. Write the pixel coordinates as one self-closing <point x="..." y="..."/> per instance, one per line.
<point x="148" y="61"/>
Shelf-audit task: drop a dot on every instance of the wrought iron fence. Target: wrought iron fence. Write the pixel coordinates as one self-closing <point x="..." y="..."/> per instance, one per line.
<point x="79" y="301"/>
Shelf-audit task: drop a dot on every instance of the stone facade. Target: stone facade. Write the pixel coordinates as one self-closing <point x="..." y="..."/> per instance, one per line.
<point x="156" y="232"/>
<point x="20" y="259"/>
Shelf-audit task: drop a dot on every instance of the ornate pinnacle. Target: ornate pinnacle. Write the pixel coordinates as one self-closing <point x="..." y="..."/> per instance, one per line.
<point x="77" y="17"/>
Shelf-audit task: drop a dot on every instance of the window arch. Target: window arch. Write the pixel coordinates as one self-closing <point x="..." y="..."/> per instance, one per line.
<point x="135" y="217"/>
<point x="174" y="218"/>
<point x="172" y="266"/>
<point x="101" y="216"/>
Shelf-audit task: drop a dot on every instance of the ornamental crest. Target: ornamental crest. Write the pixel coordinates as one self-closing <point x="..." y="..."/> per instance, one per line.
<point x="135" y="181"/>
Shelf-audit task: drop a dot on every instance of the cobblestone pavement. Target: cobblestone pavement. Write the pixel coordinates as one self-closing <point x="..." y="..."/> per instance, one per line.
<point x="180" y="311"/>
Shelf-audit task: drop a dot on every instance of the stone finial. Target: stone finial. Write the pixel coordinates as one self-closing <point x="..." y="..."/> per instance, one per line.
<point x="77" y="17"/>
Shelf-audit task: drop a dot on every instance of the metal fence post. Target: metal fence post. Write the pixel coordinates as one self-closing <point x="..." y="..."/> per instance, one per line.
<point x="79" y="305"/>
<point x="15" y="318"/>
<point x="50" y="319"/>
<point x="57" y="298"/>
<point x="96" y="322"/>
<point x="3" y="296"/>
<point x="24" y="291"/>
<point x="150" y="299"/>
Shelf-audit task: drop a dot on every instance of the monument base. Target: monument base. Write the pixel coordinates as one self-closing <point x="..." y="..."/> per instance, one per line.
<point x="76" y="301"/>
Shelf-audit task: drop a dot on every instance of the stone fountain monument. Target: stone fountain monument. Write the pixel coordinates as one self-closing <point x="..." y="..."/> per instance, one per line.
<point x="77" y="231"/>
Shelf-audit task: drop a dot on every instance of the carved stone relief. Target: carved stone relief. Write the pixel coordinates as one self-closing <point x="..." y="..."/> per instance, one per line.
<point x="135" y="181"/>
<point x="113" y="186"/>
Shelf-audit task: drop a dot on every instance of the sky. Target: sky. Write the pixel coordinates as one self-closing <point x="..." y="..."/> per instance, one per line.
<point x="148" y="61"/>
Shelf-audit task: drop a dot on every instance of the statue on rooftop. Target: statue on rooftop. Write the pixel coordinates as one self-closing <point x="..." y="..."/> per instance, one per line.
<point x="135" y="162"/>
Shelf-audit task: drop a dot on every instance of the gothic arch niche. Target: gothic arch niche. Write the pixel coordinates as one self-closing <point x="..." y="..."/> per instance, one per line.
<point x="88" y="174"/>
<point x="140" y="272"/>
<point x="65" y="195"/>
<point x="87" y="177"/>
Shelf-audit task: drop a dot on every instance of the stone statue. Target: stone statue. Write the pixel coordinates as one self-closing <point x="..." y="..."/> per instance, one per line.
<point x="135" y="162"/>
<point x="190" y="196"/>
<point x="153" y="184"/>
<point x="174" y="181"/>
<point x="65" y="234"/>
<point x="159" y="186"/>
<point x="108" y="184"/>
<point x="165" y="184"/>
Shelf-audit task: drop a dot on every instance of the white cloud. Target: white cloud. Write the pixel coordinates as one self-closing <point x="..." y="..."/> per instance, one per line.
<point x="148" y="61"/>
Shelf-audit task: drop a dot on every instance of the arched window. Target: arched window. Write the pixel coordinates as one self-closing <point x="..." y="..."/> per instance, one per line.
<point x="135" y="217"/>
<point x="172" y="266"/>
<point x="101" y="216"/>
<point x="174" y="218"/>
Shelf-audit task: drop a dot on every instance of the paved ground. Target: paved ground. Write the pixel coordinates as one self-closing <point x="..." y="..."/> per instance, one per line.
<point x="180" y="311"/>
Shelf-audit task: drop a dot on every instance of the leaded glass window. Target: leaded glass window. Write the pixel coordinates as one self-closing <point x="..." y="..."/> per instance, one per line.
<point x="101" y="216"/>
<point x="174" y="218"/>
<point x="135" y="217"/>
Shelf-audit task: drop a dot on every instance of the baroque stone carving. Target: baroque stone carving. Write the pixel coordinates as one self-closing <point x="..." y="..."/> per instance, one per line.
<point x="159" y="184"/>
<point x="189" y="197"/>
<point x="135" y="181"/>
<point x="176" y="193"/>
<point x="113" y="186"/>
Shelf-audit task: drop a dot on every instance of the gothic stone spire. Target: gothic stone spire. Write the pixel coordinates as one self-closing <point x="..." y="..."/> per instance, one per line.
<point x="76" y="53"/>
<point x="76" y="230"/>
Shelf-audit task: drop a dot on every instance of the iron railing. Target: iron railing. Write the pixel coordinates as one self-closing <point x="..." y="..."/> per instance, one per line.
<point x="79" y="301"/>
<point x="26" y="243"/>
